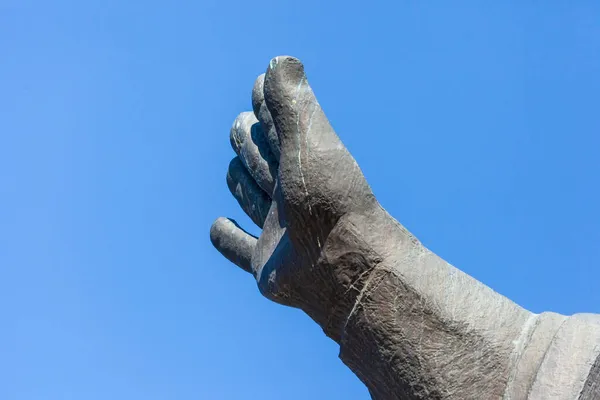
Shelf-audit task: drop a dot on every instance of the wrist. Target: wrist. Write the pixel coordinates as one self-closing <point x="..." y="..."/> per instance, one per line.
<point x="420" y="328"/>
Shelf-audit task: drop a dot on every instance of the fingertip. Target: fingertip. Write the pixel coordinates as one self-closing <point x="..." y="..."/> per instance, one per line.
<point x="233" y="242"/>
<point x="284" y="73"/>
<point x="258" y="96"/>
<point x="289" y="66"/>
<point x="241" y="125"/>
<point x="216" y="231"/>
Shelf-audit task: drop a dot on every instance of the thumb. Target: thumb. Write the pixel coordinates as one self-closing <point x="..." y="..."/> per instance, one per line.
<point x="296" y="113"/>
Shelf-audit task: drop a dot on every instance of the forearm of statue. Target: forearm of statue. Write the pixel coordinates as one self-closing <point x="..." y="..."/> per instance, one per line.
<point x="410" y="325"/>
<point x="422" y="329"/>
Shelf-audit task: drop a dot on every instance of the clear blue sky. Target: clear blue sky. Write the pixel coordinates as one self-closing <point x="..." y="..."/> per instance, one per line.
<point x="477" y="126"/>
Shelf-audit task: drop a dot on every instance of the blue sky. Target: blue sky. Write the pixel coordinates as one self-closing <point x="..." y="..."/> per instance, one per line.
<point x="476" y="124"/>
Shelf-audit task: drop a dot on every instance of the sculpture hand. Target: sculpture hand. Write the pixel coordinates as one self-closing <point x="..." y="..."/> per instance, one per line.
<point x="297" y="181"/>
<point x="410" y="325"/>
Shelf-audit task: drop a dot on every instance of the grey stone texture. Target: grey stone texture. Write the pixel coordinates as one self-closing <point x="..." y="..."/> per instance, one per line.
<point x="410" y="325"/>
